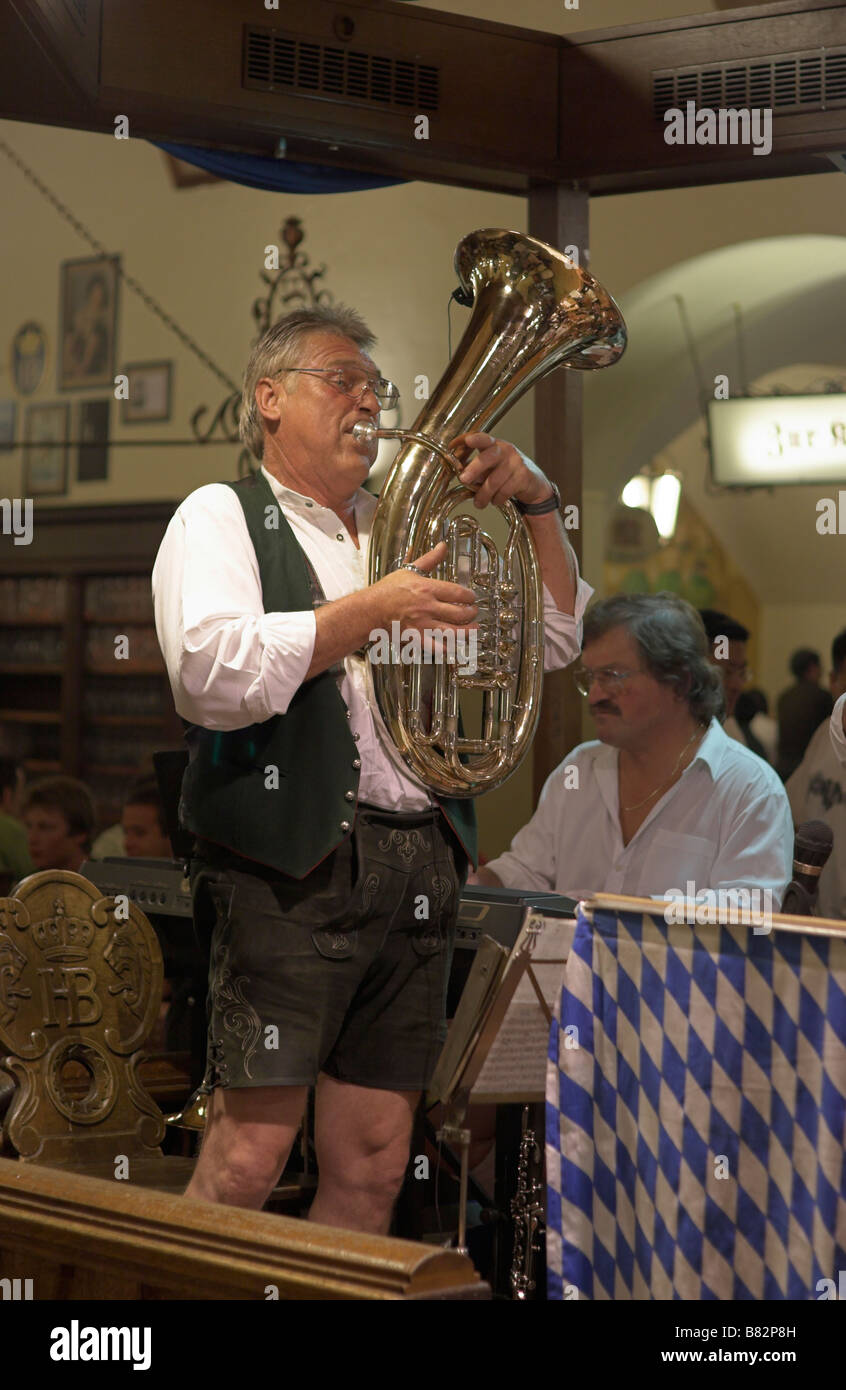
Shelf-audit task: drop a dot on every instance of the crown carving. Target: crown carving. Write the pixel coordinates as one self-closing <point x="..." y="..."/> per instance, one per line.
<point x="62" y="938"/>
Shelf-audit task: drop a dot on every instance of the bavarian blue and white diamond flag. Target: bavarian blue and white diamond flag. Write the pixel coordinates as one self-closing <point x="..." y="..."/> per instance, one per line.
<point x="696" y="1113"/>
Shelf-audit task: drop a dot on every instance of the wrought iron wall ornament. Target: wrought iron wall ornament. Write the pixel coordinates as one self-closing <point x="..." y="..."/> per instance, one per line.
<point x="294" y="285"/>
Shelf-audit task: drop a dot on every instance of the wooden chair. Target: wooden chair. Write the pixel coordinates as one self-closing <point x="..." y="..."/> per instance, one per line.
<point x="80" y="991"/>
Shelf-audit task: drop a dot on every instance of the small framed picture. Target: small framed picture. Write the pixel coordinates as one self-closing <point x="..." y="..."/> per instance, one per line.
<point x="46" y="450"/>
<point x="88" y="319"/>
<point x="8" y="416"/>
<point x="92" y="458"/>
<point x="149" y="392"/>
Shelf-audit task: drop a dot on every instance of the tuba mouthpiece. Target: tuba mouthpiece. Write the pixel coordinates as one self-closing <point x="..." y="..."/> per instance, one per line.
<point x="364" y="432"/>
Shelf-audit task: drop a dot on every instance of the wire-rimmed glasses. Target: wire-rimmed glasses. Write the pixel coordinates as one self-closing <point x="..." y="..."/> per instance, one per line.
<point x="353" y="383"/>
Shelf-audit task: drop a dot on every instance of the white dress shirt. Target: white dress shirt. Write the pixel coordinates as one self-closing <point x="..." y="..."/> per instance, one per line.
<point x="725" y="824"/>
<point x="838" y="738"/>
<point x="231" y="664"/>
<point x="817" y="791"/>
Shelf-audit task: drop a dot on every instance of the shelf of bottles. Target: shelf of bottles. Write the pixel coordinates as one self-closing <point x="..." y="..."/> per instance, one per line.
<point x="126" y="708"/>
<point x="33" y="614"/>
<point x="83" y="688"/>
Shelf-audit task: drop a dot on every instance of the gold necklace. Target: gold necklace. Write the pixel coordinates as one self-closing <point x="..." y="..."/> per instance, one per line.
<point x="697" y="733"/>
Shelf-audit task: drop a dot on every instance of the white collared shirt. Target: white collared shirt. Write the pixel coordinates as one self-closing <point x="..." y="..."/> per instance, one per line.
<point x="231" y="664"/>
<point x="817" y="791"/>
<point x="838" y="738"/>
<point x="726" y="823"/>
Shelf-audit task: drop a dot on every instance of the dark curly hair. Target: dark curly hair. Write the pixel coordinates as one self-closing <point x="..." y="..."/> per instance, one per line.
<point x="672" y="641"/>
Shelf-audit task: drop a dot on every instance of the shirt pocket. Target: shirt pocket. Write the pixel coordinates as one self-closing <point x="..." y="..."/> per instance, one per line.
<point x="671" y="859"/>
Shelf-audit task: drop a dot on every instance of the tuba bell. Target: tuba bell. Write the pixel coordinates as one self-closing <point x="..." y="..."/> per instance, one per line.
<point x="533" y="310"/>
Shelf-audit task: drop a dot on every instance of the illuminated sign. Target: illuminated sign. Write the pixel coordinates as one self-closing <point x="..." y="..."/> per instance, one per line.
<point x="763" y="441"/>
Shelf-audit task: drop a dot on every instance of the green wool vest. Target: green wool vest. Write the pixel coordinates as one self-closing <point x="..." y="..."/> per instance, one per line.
<point x="284" y="792"/>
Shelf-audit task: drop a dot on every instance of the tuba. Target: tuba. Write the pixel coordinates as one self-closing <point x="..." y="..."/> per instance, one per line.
<point x="533" y="310"/>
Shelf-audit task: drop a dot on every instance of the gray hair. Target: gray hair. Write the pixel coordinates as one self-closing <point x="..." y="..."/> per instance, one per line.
<point x="672" y="641"/>
<point x="281" y="346"/>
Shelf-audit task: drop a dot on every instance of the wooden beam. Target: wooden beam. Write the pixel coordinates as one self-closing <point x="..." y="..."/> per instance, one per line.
<point x="530" y="108"/>
<point x="85" y="1238"/>
<point x="559" y="216"/>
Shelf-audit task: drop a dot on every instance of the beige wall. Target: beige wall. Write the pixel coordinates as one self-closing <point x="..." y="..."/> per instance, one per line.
<point x="786" y="626"/>
<point x="200" y="252"/>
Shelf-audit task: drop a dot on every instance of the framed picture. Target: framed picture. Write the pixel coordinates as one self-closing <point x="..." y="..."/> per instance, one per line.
<point x="88" y="322"/>
<point x="92" y="457"/>
<point x="46" y="450"/>
<point x="28" y="356"/>
<point x="149" y="392"/>
<point x="8" y="416"/>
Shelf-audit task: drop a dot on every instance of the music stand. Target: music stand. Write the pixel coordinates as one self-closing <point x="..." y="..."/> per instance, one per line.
<point x="489" y="1009"/>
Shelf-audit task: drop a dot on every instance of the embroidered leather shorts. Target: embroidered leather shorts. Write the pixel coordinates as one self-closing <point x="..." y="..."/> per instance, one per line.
<point x="344" y="971"/>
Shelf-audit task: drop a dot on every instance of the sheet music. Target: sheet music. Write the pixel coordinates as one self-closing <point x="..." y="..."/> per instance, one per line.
<point x="515" y="1067"/>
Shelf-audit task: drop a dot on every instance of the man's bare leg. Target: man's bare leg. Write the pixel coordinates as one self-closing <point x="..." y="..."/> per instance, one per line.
<point x="362" y="1137"/>
<point x="249" y="1134"/>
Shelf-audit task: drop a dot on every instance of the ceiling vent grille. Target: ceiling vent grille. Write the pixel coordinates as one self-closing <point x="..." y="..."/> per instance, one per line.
<point x="787" y="83"/>
<point x="274" y="61"/>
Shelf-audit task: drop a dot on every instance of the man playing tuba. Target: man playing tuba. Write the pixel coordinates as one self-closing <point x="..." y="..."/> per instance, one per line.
<point x="333" y="872"/>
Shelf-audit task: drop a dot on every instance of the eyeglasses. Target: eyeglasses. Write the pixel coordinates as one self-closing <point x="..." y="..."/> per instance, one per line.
<point x="609" y="677"/>
<point x="354" y="384"/>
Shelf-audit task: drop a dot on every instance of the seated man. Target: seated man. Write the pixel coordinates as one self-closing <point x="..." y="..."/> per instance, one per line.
<point x="817" y="791"/>
<point x="143" y="823"/>
<point x="727" y="647"/>
<point x="664" y="797"/>
<point x="58" y="813"/>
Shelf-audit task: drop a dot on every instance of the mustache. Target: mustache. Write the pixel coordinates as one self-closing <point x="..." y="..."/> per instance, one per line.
<point x="604" y="707"/>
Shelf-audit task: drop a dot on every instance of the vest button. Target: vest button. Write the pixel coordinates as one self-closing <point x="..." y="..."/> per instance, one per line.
<point x="345" y="825"/>
<point x="340" y="536"/>
<point x="356" y="737"/>
<point x="356" y="763"/>
<point x="349" y="796"/>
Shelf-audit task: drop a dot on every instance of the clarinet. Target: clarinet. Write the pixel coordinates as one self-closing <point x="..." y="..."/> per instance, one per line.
<point x="527" y="1213"/>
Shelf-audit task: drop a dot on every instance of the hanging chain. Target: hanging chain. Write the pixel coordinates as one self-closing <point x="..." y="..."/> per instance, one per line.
<point x="130" y="280"/>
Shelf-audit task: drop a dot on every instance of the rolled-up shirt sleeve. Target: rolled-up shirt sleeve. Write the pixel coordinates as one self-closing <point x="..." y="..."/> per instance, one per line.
<point x="838" y="738"/>
<point x="562" y="632"/>
<point x="532" y="859"/>
<point x="230" y="664"/>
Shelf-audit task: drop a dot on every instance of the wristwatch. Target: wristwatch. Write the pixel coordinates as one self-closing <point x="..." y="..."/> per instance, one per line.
<point x="550" y="504"/>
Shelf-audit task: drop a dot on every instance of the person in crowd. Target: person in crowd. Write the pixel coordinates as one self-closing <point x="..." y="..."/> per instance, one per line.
<point x="143" y="823"/>
<point x="15" y="860"/>
<point x="727" y="639"/>
<point x="758" y="729"/>
<point x="58" y="813"/>
<point x="110" y="843"/>
<point x="663" y="797"/>
<point x="314" y="840"/>
<point x="801" y="709"/>
<point x="817" y="791"/>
